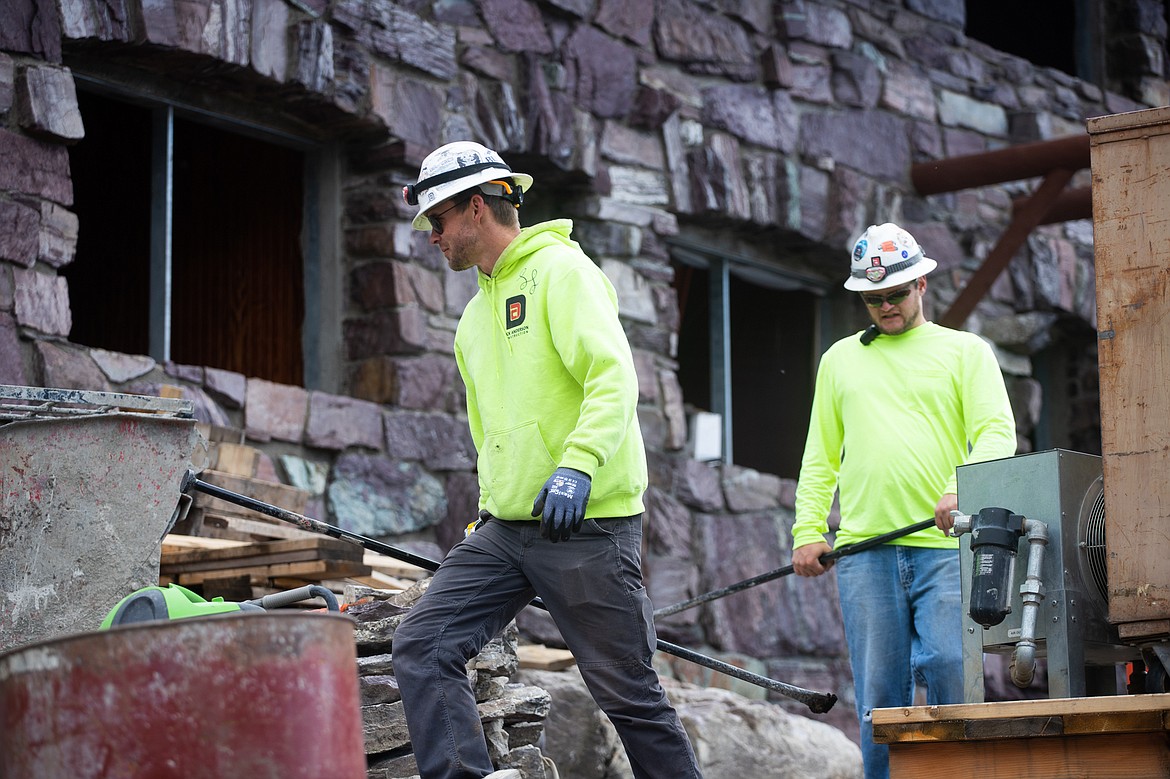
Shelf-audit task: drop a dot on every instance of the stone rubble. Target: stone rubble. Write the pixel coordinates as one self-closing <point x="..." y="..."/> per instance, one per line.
<point x="513" y="715"/>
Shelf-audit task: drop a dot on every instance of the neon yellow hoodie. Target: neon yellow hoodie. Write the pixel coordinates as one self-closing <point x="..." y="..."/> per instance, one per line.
<point x="890" y="423"/>
<point x="550" y="378"/>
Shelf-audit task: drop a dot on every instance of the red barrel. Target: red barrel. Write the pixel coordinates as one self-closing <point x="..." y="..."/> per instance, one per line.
<point x="255" y="696"/>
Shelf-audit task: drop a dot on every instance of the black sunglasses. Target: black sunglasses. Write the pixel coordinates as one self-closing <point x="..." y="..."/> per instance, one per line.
<point x="893" y="298"/>
<point x="437" y="219"/>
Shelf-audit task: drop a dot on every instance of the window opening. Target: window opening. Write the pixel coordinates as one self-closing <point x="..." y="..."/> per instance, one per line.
<point x="236" y="289"/>
<point x="1067" y="42"/>
<point x="747" y="351"/>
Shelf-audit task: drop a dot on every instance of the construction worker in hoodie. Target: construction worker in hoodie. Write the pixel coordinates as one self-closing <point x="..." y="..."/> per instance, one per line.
<point x="896" y="409"/>
<point x="551" y="403"/>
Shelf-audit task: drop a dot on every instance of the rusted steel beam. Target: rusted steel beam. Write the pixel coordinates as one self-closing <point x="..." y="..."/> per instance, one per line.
<point x="1074" y="203"/>
<point x="1029" y="215"/>
<point x="1025" y="161"/>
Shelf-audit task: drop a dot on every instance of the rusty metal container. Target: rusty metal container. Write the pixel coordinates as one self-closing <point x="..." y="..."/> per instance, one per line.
<point x="241" y="696"/>
<point x="89" y="484"/>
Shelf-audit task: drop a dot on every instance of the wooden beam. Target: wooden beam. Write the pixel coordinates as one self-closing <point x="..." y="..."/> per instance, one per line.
<point x="1022" y="224"/>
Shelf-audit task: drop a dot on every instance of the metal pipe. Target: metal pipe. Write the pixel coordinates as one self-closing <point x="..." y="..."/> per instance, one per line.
<point x="1072" y="203"/>
<point x="1029" y="160"/>
<point x="818" y="702"/>
<point x="1023" y="665"/>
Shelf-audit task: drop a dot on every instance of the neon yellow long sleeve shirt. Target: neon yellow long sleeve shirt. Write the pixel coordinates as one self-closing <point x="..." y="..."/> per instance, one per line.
<point x="550" y="378"/>
<point x="890" y="423"/>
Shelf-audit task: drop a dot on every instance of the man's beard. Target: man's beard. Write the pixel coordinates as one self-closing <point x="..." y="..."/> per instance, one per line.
<point x="908" y="321"/>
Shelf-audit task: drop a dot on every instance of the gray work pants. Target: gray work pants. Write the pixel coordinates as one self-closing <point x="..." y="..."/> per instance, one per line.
<point x="592" y="587"/>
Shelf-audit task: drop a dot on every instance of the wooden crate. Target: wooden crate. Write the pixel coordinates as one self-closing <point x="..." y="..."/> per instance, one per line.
<point x="1104" y="737"/>
<point x="1131" y="225"/>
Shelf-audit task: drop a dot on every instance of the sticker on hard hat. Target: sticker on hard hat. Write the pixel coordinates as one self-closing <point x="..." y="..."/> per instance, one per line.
<point x="859" y="249"/>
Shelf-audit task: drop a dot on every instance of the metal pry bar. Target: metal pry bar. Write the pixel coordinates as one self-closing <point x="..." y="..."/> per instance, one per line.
<point x="817" y="702"/>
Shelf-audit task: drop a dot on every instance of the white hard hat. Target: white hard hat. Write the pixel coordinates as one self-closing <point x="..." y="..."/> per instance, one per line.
<point x="457" y="167"/>
<point x="886" y="256"/>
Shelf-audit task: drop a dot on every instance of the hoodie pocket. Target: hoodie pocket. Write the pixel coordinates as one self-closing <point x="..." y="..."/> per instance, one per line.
<point x="515" y="464"/>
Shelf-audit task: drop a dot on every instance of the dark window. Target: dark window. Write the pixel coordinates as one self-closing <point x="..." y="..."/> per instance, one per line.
<point x="109" y="279"/>
<point x="236" y="287"/>
<point x="1044" y="32"/>
<point x="771" y="334"/>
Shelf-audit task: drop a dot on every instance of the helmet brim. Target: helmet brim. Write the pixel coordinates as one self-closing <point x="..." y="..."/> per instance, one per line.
<point x="445" y="192"/>
<point x="920" y="268"/>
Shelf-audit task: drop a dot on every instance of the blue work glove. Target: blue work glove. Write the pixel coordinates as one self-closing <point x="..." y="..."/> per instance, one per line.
<point x="560" y="504"/>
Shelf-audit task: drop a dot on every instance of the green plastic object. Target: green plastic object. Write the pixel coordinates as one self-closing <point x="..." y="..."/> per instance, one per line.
<point x="152" y="604"/>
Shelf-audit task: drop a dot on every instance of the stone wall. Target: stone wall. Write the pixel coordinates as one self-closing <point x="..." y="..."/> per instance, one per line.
<point x="775" y="130"/>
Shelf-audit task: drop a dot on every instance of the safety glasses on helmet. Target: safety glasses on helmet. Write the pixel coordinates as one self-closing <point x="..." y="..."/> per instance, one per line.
<point x="893" y="298"/>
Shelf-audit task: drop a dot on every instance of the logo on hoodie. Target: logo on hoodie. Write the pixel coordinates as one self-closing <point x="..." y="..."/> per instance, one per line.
<point x="514" y="312"/>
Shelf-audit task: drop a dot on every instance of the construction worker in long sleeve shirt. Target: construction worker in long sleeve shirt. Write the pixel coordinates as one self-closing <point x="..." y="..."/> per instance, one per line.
<point x="896" y="409"/>
<point x="552" y="406"/>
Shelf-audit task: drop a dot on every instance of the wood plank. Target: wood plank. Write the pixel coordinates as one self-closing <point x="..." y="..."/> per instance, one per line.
<point x="257" y="529"/>
<point x="1098" y="704"/>
<point x="306" y="571"/>
<point x="235" y="459"/>
<point x="218" y="433"/>
<point x="174" y="543"/>
<point x="1023" y="719"/>
<point x="392" y="567"/>
<point x="322" y="545"/>
<point x="250" y="561"/>
<point x="319" y="569"/>
<point x="257" y="577"/>
<point x="1113" y="756"/>
<point x="273" y="493"/>
<point x="375" y="579"/>
<point x="1131" y="237"/>
<point x="544" y="658"/>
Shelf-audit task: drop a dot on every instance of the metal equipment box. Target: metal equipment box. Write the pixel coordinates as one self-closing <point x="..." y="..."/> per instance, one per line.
<point x="1062" y="489"/>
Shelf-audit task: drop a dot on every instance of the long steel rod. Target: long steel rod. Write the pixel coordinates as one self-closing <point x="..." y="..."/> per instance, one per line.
<point x="817" y="702"/>
<point x="1014" y="163"/>
<point x="848" y="549"/>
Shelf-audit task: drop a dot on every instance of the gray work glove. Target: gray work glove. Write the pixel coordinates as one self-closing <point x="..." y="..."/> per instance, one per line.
<point x="560" y="504"/>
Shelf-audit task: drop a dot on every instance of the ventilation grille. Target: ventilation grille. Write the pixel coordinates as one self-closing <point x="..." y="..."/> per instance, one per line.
<point x="1092" y="539"/>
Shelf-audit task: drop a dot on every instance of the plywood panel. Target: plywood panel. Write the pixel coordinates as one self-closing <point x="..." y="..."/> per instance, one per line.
<point x="1131" y="220"/>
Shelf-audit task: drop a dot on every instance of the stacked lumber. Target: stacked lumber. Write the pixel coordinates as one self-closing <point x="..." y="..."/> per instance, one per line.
<point x="223" y="549"/>
<point x="268" y="563"/>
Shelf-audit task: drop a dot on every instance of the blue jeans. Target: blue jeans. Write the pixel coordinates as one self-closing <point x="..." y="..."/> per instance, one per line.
<point x="592" y="587"/>
<point x="902" y="608"/>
